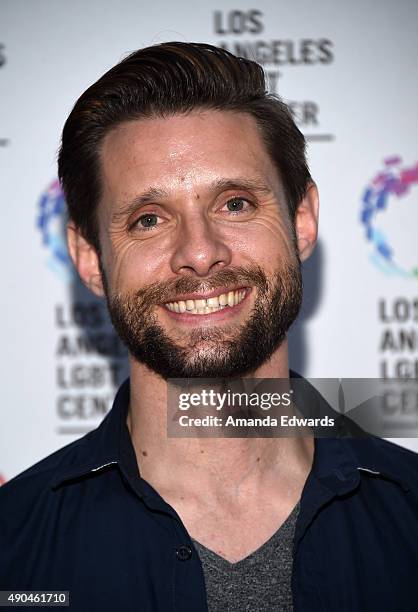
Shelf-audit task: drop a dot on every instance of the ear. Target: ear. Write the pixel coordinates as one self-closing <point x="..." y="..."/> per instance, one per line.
<point x="306" y="222"/>
<point x="85" y="259"/>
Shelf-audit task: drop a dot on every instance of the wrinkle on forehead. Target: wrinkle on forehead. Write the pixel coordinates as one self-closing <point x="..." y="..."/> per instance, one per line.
<point x="183" y="153"/>
<point x="180" y="135"/>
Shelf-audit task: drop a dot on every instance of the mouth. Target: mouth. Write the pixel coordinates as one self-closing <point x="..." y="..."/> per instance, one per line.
<point x="204" y="306"/>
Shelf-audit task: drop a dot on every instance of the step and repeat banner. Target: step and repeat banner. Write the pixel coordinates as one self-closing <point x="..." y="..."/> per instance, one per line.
<point x="349" y="74"/>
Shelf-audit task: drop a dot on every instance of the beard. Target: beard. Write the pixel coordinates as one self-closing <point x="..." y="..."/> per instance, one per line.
<point x="226" y="351"/>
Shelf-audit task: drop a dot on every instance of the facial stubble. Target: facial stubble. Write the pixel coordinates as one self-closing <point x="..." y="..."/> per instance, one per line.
<point x="209" y="352"/>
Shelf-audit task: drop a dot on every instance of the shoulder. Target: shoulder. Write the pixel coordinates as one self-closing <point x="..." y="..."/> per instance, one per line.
<point x="38" y="489"/>
<point x="386" y="457"/>
<point x="23" y="488"/>
<point x="31" y="502"/>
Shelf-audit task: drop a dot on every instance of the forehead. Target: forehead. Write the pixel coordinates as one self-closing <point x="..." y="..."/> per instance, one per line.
<point x="186" y="152"/>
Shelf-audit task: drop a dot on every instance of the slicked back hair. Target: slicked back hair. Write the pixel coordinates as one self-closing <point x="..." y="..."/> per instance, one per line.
<point x="164" y="80"/>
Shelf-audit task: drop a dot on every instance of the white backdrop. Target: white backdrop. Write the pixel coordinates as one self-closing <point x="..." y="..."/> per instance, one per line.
<point x="349" y="71"/>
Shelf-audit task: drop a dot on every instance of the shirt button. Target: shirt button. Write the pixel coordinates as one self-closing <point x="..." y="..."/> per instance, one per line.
<point x="184" y="552"/>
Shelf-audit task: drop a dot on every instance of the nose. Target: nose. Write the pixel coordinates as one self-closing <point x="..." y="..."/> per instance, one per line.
<point x="200" y="249"/>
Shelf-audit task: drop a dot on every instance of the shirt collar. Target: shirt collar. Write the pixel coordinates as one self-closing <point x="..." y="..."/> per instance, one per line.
<point x="337" y="461"/>
<point x="109" y="444"/>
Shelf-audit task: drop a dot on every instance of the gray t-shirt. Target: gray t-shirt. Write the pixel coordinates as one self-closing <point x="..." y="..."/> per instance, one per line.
<point x="259" y="583"/>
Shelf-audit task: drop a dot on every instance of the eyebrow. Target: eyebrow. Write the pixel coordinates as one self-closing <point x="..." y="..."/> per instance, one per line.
<point x="151" y="195"/>
<point x="146" y="197"/>
<point x="243" y="184"/>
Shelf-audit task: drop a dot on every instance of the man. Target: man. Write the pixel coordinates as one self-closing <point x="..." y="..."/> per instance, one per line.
<point x="191" y="207"/>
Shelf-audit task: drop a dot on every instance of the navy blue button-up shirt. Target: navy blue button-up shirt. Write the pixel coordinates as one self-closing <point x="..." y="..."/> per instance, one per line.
<point x="83" y="520"/>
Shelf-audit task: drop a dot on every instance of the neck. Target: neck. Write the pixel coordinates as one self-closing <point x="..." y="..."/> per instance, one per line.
<point x="211" y="464"/>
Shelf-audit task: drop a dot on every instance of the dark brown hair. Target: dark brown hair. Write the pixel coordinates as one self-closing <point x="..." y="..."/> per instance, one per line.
<point x="163" y="80"/>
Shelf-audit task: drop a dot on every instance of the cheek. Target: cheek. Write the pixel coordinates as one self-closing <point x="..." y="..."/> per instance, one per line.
<point x="265" y="242"/>
<point x="132" y="265"/>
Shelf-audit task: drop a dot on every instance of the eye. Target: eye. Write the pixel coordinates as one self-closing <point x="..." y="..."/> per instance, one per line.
<point x="146" y="222"/>
<point x="238" y="205"/>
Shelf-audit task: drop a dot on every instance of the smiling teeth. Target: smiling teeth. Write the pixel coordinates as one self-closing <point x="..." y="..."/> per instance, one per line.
<point x="213" y="304"/>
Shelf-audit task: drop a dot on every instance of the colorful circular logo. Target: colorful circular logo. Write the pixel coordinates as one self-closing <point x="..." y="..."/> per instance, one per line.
<point x="51" y="222"/>
<point x="386" y="189"/>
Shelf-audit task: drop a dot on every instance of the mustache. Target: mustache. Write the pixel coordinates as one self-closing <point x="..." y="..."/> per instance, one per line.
<point x="159" y="292"/>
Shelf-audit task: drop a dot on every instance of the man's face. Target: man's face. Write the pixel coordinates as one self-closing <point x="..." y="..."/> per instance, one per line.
<point x="198" y="254"/>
